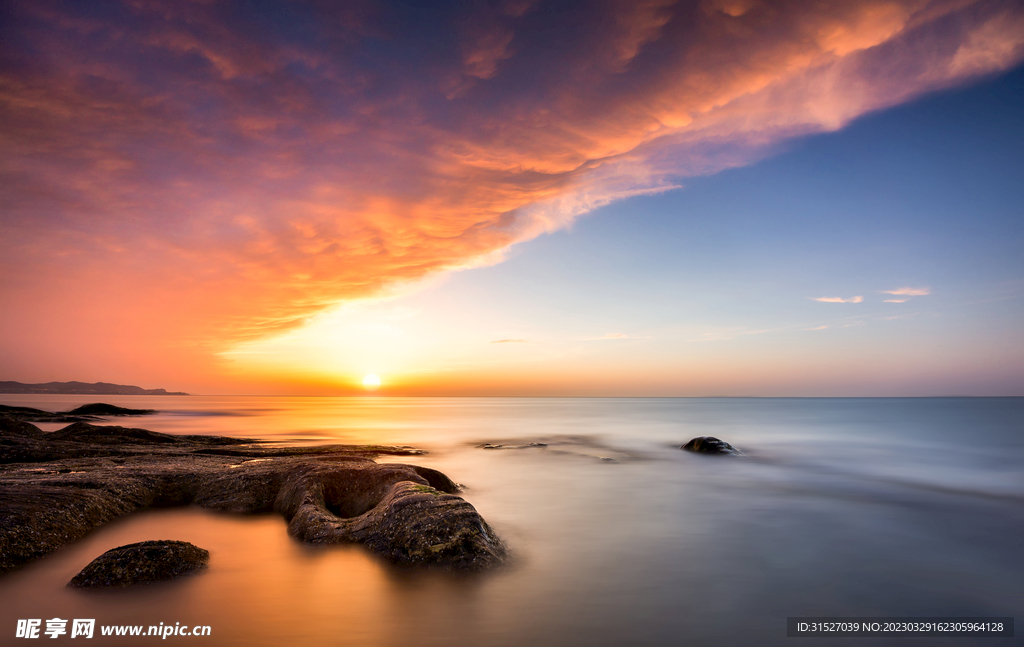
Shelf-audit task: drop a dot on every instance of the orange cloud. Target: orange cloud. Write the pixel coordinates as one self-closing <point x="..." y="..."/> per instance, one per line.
<point x="910" y="292"/>
<point x="215" y="180"/>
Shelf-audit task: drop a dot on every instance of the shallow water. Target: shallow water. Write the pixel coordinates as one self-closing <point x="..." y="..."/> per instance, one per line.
<point x="840" y="507"/>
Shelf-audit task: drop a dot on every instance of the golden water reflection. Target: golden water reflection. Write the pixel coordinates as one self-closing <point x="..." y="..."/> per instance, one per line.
<point x="262" y="587"/>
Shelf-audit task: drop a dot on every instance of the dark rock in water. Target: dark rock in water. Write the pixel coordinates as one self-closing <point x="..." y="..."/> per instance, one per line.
<point x="102" y="409"/>
<point x="56" y="487"/>
<point x="85" y="413"/>
<point x="710" y="445"/>
<point x="23" y="412"/>
<point x="147" y="561"/>
<point x="28" y="414"/>
<point x="524" y="446"/>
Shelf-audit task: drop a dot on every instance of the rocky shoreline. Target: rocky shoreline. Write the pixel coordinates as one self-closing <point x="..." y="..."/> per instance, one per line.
<point x="85" y="413"/>
<point x="55" y="487"/>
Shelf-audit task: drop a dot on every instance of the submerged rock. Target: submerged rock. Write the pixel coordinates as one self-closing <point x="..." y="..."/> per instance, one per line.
<point x="710" y="445"/>
<point x="567" y="445"/>
<point x="524" y="446"/>
<point x="56" y="487"/>
<point x="141" y="563"/>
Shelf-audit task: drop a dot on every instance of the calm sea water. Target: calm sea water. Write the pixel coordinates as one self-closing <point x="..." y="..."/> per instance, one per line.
<point x="841" y="507"/>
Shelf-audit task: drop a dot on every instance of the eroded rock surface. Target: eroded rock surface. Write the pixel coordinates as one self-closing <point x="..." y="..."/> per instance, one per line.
<point x="710" y="445"/>
<point x="141" y="563"/>
<point x="56" y="487"/>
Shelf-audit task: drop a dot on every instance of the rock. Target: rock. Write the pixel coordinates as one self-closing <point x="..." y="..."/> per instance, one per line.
<point x="18" y="428"/>
<point x="141" y="563"/>
<point x="566" y="445"/>
<point x="87" y="433"/>
<point x="28" y="414"/>
<point x="85" y="413"/>
<point x="710" y="445"/>
<point x="524" y="446"/>
<point x="412" y="524"/>
<point x="56" y="487"/>
<point x="102" y="409"/>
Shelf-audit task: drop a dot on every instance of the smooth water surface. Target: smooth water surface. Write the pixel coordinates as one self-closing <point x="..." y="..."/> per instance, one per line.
<point x="840" y="507"/>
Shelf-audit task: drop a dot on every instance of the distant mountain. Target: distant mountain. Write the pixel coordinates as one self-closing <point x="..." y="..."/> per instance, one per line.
<point x="81" y="388"/>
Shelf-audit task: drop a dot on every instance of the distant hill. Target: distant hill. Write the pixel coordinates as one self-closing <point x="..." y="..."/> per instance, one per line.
<point x="81" y="388"/>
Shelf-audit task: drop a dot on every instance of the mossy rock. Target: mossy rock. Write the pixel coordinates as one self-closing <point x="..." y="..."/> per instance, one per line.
<point x="141" y="563"/>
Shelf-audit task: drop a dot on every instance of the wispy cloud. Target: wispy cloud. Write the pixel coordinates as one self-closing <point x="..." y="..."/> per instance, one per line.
<point x="818" y="328"/>
<point x="895" y="300"/>
<point x="910" y="292"/>
<point x="838" y="299"/>
<point x="510" y="341"/>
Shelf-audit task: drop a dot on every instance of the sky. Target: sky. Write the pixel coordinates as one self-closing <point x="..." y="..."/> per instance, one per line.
<point x="514" y="198"/>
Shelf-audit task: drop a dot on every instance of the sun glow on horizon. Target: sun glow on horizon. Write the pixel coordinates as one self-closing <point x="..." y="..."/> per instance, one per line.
<point x="371" y="382"/>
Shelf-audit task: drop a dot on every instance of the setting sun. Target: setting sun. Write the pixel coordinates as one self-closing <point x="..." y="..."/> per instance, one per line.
<point x="371" y="382"/>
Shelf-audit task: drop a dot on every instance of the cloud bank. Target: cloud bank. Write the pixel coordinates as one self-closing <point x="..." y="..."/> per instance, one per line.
<point x="210" y="173"/>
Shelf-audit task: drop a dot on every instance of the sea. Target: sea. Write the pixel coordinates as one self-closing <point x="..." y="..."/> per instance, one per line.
<point x="839" y="507"/>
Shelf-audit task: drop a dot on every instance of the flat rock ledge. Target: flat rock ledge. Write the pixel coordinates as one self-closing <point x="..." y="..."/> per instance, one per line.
<point x="710" y="445"/>
<point x="56" y="487"/>
<point x="142" y="563"/>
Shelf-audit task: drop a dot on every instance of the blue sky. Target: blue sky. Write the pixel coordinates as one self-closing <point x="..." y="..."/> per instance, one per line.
<point x="925" y="195"/>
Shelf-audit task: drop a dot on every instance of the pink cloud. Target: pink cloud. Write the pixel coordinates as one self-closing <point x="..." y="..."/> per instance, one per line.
<point x="839" y="299"/>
